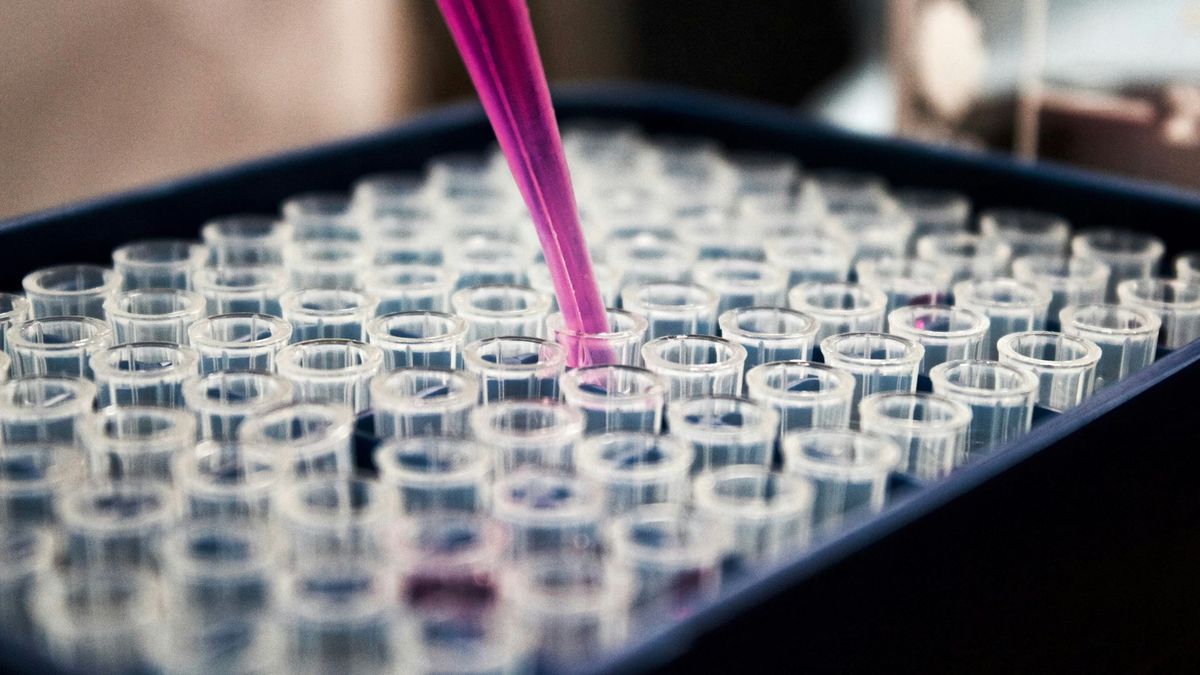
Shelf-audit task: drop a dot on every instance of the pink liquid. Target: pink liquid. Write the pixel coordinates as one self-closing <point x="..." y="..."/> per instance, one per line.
<point x="496" y="41"/>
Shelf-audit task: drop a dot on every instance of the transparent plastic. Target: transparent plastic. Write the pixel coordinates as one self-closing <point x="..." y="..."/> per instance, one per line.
<point x="1027" y="232"/>
<point x="674" y="558"/>
<point x="419" y="339"/>
<point x="143" y="374"/>
<point x="306" y="439"/>
<point x="806" y="395"/>
<point x="968" y="256"/>
<point x="511" y="368"/>
<point x="878" y="362"/>
<point x="326" y="264"/>
<point x="223" y="400"/>
<point x="217" y="572"/>
<point x="672" y="308"/>
<point x="930" y="430"/>
<point x="242" y="289"/>
<point x="44" y="409"/>
<point x="1072" y="281"/>
<point x="26" y="558"/>
<point x="70" y="290"/>
<point x="810" y="257"/>
<point x="403" y="240"/>
<point x="436" y="475"/>
<point x="741" y="283"/>
<point x="764" y="514"/>
<point x="840" y="307"/>
<point x="484" y="261"/>
<point x="245" y="240"/>
<point x="1000" y="396"/>
<point x="696" y="365"/>
<point x="225" y="481"/>
<point x="136" y="443"/>
<point x="57" y="346"/>
<point x="724" y="430"/>
<point x="317" y="313"/>
<point x="545" y="512"/>
<point x="14" y="310"/>
<point x="332" y="371"/>
<point x="620" y="345"/>
<point x="499" y="310"/>
<point x="1128" y="254"/>
<point x="1010" y="306"/>
<point x="1065" y="365"/>
<point x="1187" y="266"/>
<point x="336" y="519"/>
<point x="615" y="398"/>
<point x="770" y="333"/>
<point x="539" y="279"/>
<point x="239" y="341"/>
<point x="32" y="478"/>
<point x="848" y="469"/>
<point x="97" y="620"/>
<point x="934" y="211"/>
<point x="320" y="216"/>
<point x="906" y="281"/>
<point x="1127" y="337"/>
<point x="423" y="402"/>
<point x="115" y="525"/>
<point x="154" y="315"/>
<point x="947" y="333"/>
<point x="648" y="260"/>
<point x="634" y="468"/>
<point x="878" y="231"/>
<point x="538" y="433"/>
<point x="158" y="263"/>
<point x="1176" y="303"/>
<point x="411" y="288"/>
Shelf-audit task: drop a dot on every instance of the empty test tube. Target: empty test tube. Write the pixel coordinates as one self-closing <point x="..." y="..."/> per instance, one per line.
<point x="1026" y="231"/>
<point x="243" y="289"/>
<point x="672" y="308"/>
<point x="321" y="216"/>
<point x="615" y="398"/>
<point x="57" y="345"/>
<point x="696" y="365"/>
<point x="419" y="339"/>
<point x="70" y="290"/>
<point x="97" y="620"/>
<point x="934" y="211"/>
<point x="317" y="313"/>
<point x="947" y="333"/>
<point x="545" y="512"/>
<point x="331" y="371"/>
<point x="840" y="307"/>
<point x="14" y="310"/>
<point x="499" y="310"/>
<point x="1128" y="254"/>
<point x="412" y="239"/>
<point x="326" y="264"/>
<point x="770" y="333"/>
<point x="434" y="474"/>
<point x="26" y="558"/>
<point x="906" y="281"/>
<point x="1072" y="281"/>
<point x="333" y="518"/>
<point x="306" y="439"/>
<point x="136" y="443"/>
<point x="1176" y="303"/>
<point x="225" y="481"/>
<point x="224" y="399"/>
<point x="411" y="288"/>
<point x="805" y="395"/>
<point x="539" y="433"/>
<point x="968" y="256"/>
<point x="764" y="514"/>
<point x="1187" y="266"/>
<point x="158" y="263"/>
<point x="636" y="468"/>
<point x="483" y="261"/>
<point x="879" y="231"/>
<point x="44" y="409"/>
<point x="245" y="240"/>
<point x="1126" y="335"/>
<point x="620" y="344"/>
<point x="115" y="524"/>
<point x="724" y="430"/>
<point x="849" y="470"/>
<point x="673" y="556"/>
<point x="515" y="367"/>
<point x="154" y="315"/>
<point x="33" y="476"/>
<point x="1009" y="305"/>
<point x="1000" y="396"/>
<point x="382" y="193"/>
<point x="810" y="257"/>
<point x="846" y="189"/>
<point x="741" y="283"/>
<point x="423" y="402"/>
<point x="143" y="374"/>
<point x="215" y="572"/>
<point x="1065" y="365"/>
<point x="239" y="341"/>
<point x="930" y="429"/>
<point x="878" y="362"/>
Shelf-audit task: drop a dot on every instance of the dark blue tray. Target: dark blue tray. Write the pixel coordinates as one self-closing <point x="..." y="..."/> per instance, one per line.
<point x="1075" y="548"/>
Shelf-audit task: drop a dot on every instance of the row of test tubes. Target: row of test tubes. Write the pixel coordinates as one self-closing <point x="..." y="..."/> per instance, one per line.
<point x="358" y="436"/>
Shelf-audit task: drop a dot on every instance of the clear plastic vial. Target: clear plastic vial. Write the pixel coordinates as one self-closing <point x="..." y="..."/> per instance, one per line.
<point x="143" y="374"/>
<point x="321" y="216"/>
<point x="1128" y="254"/>
<point x="1072" y="281"/>
<point x="1000" y="396"/>
<point x="217" y="572"/>
<point x="840" y="307"/>
<point x="620" y="344"/>
<point x="331" y="371"/>
<point x="741" y="283"/>
<point x="158" y="263"/>
<point x="33" y="476"/>
<point x="317" y="313"/>
<point x="26" y="559"/>
<point x="499" y="310"/>
<point x="239" y="341"/>
<point x="1187" y="266"/>
<point x="636" y="468"/>
<point x="763" y="513"/>
<point x="930" y="429"/>
<point x="419" y="339"/>
<point x="44" y="409"/>
<point x="306" y="439"/>
<point x="848" y="469"/>
<point x="411" y="287"/>
<point x="1028" y="232"/>
<point x="906" y="281"/>
<point x="947" y="333"/>
<point x="423" y="402"/>
<point x="245" y="240"/>
<point x="1127" y="337"/>
<point x="724" y="430"/>
<point x="333" y="518"/>
<point x="136" y="443"/>
<point x="770" y="333"/>
<point x="70" y="290"/>
<point x="115" y="525"/>
<point x="326" y="264"/>
<point x="14" y="310"/>
<point x="538" y="433"/>
<point x="878" y="362"/>
<point x="810" y="257"/>
<point x="1065" y="365"/>
<point x="545" y="512"/>
<point x="243" y="289"/>
<point x="97" y="620"/>
<point x="615" y="398"/>
<point x="488" y="260"/>
<point x="674" y="557"/>
<point x="696" y="365"/>
<point x="436" y="475"/>
<point x="968" y="256"/>
<point x="223" y="400"/>
<point x="1009" y="305"/>
<point x="934" y="211"/>
<point x="154" y="315"/>
<point x="515" y="367"/>
<point x="225" y="481"/>
<point x="672" y="308"/>
<point x="57" y="345"/>
<point x="806" y="395"/>
<point x="1175" y="302"/>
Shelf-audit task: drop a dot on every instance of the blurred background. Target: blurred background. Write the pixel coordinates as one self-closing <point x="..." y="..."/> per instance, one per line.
<point x="104" y="96"/>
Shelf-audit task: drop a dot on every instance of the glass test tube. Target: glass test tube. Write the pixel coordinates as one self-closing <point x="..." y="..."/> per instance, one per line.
<point x="411" y="288"/>
<point x="143" y="374"/>
<point x="849" y="470"/>
<point x="32" y="476"/>
<point x="57" y="345"/>
<point x="1065" y="365"/>
<point x="696" y="365"/>
<point x="515" y="367"/>
<point x="26" y="559"/>
<point x="806" y="395"/>
<point x="435" y="474"/>
<point x="335" y="518"/>
<point x="217" y="572"/>
<point x="810" y="257"/>
<point x="419" y="339"/>
<point x="136" y="443"/>
<point x="724" y="430"/>
<point x="1176" y="303"/>
<point x="70" y="290"/>
<point x="1027" y="232"/>
<point x="934" y="211"/>
<point x="672" y="309"/>
<point x="44" y="409"/>
<point x="930" y="429"/>
<point x="14" y="310"/>
<point x="1128" y="254"/>
<point x="498" y="310"/>
<point x="545" y="512"/>
<point x="947" y="333"/>
<point x="321" y="216"/>
<point x="636" y="468"/>
<point x="158" y="263"/>
<point x="326" y="264"/>
<point x="840" y="307"/>
<point x="225" y="481"/>
<point x="153" y="315"/>
<point x="239" y="341"/>
<point x="770" y="333"/>
<point x="741" y="283"/>
<point x="620" y="345"/>
<point x="615" y="398"/>
<point x="906" y="281"/>
<point x="115" y="524"/>
<point x="1009" y="305"/>
<point x="673" y="557"/>
<point x="1072" y="281"/>
<point x="878" y="362"/>
<point x="306" y="439"/>
<point x="423" y="402"/>
<point x="539" y="433"/>
<point x="1000" y="396"/>
<point x="224" y="399"/>
<point x="317" y="313"/>
<point x="1127" y="337"/>
<point x="243" y="289"/>
<point x="97" y="620"/>
<point x="968" y="256"/>
<point x="245" y="240"/>
<point x="764" y="514"/>
<point x="331" y="371"/>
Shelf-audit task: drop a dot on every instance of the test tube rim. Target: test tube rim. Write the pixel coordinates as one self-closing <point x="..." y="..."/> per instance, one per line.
<point x="66" y="465"/>
<point x="728" y="324"/>
<point x="185" y="467"/>
<point x="942" y="385"/>
<point x="705" y="274"/>
<point x="473" y="362"/>
<point x="340" y="422"/>
<point x="614" y="595"/>
<point x="460" y="301"/>
<point x="1000" y="253"/>
<point x="479" y="466"/>
<point x="1053" y="226"/>
<point x="876" y="299"/>
<point x="286" y="364"/>
<point x="102" y="334"/>
<point x="83" y="398"/>
<point x="175" y="550"/>
<point x="184" y="365"/>
<point x="887" y="460"/>
<point x="569" y="383"/>
<point x="590" y="461"/>
<point x="1068" y="319"/>
<point x="382" y="395"/>
<point x="569" y="426"/>
<point x="1130" y="292"/>
<point x="1007" y="352"/>
<point x="93" y="429"/>
<point x="1083" y="244"/>
<point x="634" y="291"/>
<point x="845" y="383"/>
<point x="123" y="254"/>
<point x="292" y="607"/>
<point x="766" y="425"/>
<point x="949" y="200"/>
<point x="267" y="277"/>
<point x="960" y="420"/>
<point x="281" y="331"/>
<point x="457" y="328"/>
<point x="914" y="351"/>
<point x="943" y="277"/>
<point x="32" y="282"/>
<point x="442" y="277"/>
<point x="980" y="328"/>
<point x="70" y="502"/>
<point x="194" y="390"/>
<point x="708" y="501"/>
<point x="20" y="305"/>
<point x="1023" y="270"/>
<point x="492" y="541"/>
<point x="214" y="231"/>
<point x="1039" y="297"/>
<point x="555" y="325"/>
<point x="288" y="504"/>
<point x="113" y="305"/>
<point x="291" y="302"/>
<point x="711" y="545"/>
<point x="507" y="510"/>
<point x="736" y="357"/>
